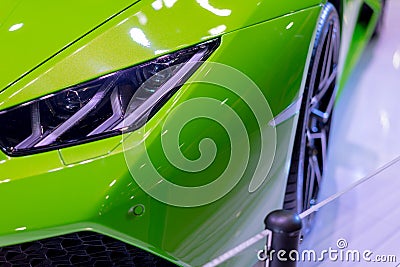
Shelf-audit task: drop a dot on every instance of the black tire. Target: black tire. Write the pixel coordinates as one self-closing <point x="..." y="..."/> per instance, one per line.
<point x="312" y="135"/>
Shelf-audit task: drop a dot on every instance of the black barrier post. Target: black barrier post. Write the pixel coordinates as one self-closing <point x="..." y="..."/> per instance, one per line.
<point x="285" y="227"/>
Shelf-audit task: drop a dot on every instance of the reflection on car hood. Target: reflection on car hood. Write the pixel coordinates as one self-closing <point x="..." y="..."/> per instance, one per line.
<point x="33" y="31"/>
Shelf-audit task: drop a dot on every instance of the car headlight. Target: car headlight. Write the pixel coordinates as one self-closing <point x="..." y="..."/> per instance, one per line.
<point x="97" y="109"/>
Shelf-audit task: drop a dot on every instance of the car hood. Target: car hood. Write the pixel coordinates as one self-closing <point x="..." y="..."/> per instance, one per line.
<point x="33" y="31"/>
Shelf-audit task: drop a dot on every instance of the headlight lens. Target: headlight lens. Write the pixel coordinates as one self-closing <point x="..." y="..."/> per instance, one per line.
<point x="96" y="109"/>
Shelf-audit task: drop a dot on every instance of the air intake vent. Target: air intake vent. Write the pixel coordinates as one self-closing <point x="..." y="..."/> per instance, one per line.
<point x="79" y="249"/>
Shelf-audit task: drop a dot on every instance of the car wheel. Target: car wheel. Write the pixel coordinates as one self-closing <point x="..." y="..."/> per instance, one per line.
<point x="310" y="145"/>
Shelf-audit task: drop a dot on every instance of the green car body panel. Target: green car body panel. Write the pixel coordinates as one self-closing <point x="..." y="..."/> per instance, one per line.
<point x="89" y="186"/>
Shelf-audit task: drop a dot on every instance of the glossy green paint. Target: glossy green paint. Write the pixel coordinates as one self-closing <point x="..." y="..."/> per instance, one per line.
<point x="166" y="28"/>
<point x="355" y="35"/>
<point x="32" y="31"/>
<point x="89" y="187"/>
<point x="360" y="36"/>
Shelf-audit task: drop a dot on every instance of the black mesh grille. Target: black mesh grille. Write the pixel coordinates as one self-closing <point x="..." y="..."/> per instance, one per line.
<point x="78" y="249"/>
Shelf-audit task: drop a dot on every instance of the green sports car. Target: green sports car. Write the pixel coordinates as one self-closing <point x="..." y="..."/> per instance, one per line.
<point x="162" y="132"/>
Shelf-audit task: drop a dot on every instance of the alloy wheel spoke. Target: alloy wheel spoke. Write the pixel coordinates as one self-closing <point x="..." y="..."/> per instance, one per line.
<point x="309" y="187"/>
<point x="317" y="170"/>
<point x="326" y="65"/>
<point x="324" y="144"/>
<point x="327" y="84"/>
<point x="321" y="115"/>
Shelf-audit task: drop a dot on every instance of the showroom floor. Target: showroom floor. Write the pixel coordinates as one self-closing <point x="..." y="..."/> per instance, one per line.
<point x="365" y="137"/>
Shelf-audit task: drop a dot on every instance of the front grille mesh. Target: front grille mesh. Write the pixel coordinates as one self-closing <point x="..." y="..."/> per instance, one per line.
<point x="78" y="249"/>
